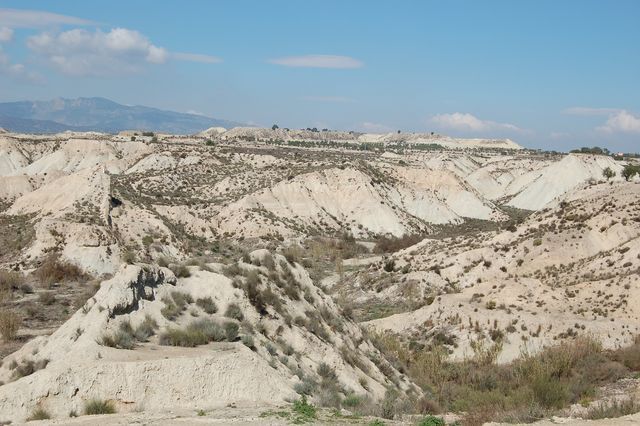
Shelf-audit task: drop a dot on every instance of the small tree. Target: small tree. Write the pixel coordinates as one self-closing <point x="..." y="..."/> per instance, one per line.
<point x="629" y="171"/>
<point x="608" y="173"/>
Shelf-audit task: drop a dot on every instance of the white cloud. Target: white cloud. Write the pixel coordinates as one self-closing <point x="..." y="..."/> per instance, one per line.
<point x="467" y="122"/>
<point x="80" y="52"/>
<point x="196" y="57"/>
<point x="6" y="34"/>
<point x="18" y="18"/>
<point x="318" y="61"/>
<point x="120" y="51"/>
<point x="338" y="99"/>
<point x="618" y="120"/>
<point x="621" y="121"/>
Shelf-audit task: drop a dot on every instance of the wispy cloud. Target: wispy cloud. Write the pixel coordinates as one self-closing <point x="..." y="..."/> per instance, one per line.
<point x="370" y="127"/>
<point x="318" y="61"/>
<point x="195" y="57"/>
<point x="586" y="111"/>
<point x="559" y="135"/>
<point x="16" y="71"/>
<point x="6" y="34"/>
<point x="18" y="18"/>
<point x="618" y="120"/>
<point x="338" y="99"/>
<point x="621" y="121"/>
<point x="468" y="122"/>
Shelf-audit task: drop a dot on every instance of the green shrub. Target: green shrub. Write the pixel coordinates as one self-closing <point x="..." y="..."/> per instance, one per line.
<point x="170" y="310"/>
<point x="432" y="421"/>
<point x="389" y="265"/>
<point x="175" y="305"/>
<point x="234" y="312"/>
<point x="231" y="331"/>
<point x="199" y="332"/>
<point x="208" y="305"/>
<point x="129" y="256"/>
<point x="181" y="271"/>
<point x="146" y="329"/>
<point x="307" y="386"/>
<point x="119" y="340"/>
<point x="394" y="244"/>
<point x="629" y="171"/>
<point x="181" y="299"/>
<point x="352" y="400"/>
<point x="549" y="391"/>
<point x="98" y="406"/>
<point x="268" y="262"/>
<point x="326" y="372"/>
<point x="247" y="340"/>
<point x="304" y="411"/>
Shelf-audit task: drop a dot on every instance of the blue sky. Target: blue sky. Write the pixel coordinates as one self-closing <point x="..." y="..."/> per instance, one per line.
<point x="548" y="74"/>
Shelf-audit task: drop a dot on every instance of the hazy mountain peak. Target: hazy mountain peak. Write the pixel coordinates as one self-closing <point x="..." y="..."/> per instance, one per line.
<point x="99" y="114"/>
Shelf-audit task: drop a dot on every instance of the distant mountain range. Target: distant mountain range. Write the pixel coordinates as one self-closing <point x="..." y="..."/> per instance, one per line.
<point x="99" y="114"/>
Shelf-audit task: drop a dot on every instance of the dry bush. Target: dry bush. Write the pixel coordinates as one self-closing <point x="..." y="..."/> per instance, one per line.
<point x="29" y="367"/>
<point x="208" y="305"/>
<point x="47" y="298"/>
<point x="53" y="270"/>
<point x="392" y="244"/>
<point x="613" y="410"/>
<point x="199" y="332"/>
<point x="181" y="271"/>
<point x="10" y="280"/>
<point x="293" y="253"/>
<point x="9" y="324"/>
<point x="234" y="311"/>
<point x="629" y="356"/>
<point x="98" y="406"/>
<point x="39" y="414"/>
<point x="525" y="390"/>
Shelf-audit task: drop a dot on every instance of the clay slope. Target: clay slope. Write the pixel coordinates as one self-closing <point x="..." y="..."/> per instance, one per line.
<point x="272" y="335"/>
<point x="565" y="271"/>
<point x="96" y="196"/>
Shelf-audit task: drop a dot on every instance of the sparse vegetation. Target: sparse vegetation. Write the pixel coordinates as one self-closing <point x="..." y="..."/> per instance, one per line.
<point x="9" y="325"/>
<point x="39" y="413"/>
<point x="629" y="171"/>
<point x="393" y="244"/>
<point x="54" y="270"/>
<point x="99" y="406"/>
<point x="234" y="311"/>
<point x="550" y="380"/>
<point x="208" y="305"/>
<point x="303" y="411"/>
<point x="198" y="332"/>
